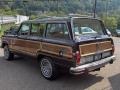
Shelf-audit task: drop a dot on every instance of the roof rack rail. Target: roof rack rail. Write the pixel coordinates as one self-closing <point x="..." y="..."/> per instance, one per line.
<point x="48" y="17"/>
<point x="43" y="17"/>
<point x="79" y="15"/>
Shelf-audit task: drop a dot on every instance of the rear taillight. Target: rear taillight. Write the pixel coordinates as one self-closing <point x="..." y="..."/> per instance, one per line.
<point x="77" y="56"/>
<point x="113" y="49"/>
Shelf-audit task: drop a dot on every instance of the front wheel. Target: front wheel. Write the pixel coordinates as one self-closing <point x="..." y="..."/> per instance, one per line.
<point x="8" y="55"/>
<point x="48" y="69"/>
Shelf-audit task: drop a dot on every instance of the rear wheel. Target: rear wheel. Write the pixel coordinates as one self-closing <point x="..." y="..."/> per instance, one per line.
<point x="8" y="55"/>
<point x="48" y="69"/>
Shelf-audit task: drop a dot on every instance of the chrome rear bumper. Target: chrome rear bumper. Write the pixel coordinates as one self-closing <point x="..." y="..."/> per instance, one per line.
<point x="91" y="66"/>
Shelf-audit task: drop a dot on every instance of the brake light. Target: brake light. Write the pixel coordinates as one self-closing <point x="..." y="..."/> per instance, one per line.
<point x="77" y="54"/>
<point x="113" y="49"/>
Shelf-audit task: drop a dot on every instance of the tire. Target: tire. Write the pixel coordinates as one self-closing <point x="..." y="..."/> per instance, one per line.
<point x="48" y="69"/>
<point x="8" y="55"/>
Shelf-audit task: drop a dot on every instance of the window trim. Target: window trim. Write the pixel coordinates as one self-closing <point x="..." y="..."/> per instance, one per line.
<point x="58" y="23"/>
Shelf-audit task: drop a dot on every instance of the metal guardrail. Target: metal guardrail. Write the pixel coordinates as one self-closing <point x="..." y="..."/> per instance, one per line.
<point x="5" y="19"/>
<point x="13" y="19"/>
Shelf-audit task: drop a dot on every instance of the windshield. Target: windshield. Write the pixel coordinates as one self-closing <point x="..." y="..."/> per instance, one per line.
<point x="87" y="27"/>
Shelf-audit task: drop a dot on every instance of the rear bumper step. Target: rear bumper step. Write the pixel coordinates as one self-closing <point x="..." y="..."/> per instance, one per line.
<point x="91" y="66"/>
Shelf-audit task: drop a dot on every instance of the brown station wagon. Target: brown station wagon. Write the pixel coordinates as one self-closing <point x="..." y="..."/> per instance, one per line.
<point x="75" y="44"/>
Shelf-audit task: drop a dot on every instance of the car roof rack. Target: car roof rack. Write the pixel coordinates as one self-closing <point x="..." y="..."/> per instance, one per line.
<point x="79" y="15"/>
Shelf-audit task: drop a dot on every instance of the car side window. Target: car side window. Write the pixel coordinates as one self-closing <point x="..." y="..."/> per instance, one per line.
<point x="37" y="29"/>
<point x="57" y="31"/>
<point x="42" y="28"/>
<point x="25" y="29"/>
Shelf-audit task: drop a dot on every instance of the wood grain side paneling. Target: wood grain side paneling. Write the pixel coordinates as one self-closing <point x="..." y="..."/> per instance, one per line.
<point x="57" y="49"/>
<point x="92" y="48"/>
<point x="87" y="49"/>
<point x="26" y="46"/>
<point x="105" y="45"/>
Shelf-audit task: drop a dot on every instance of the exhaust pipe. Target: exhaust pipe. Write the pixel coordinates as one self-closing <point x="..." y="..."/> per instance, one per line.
<point x="111" y="62"/>
<point x="98" y="69"/>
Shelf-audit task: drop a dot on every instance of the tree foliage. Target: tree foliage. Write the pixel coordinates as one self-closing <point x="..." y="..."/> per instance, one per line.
<point x="109" y="10"/>
<point x="110" y="22"/>
<point x="67" y="6"/>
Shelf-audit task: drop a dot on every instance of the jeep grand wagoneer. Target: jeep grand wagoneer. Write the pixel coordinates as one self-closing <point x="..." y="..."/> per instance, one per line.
<point x="77" y="44"/>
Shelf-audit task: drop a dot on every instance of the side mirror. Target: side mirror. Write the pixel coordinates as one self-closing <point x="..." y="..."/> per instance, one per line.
<point x="108" y="32"/>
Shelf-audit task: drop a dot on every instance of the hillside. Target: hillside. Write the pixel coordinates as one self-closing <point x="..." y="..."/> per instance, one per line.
<point x="37" y="7"/>
<point x="107" y="10"/>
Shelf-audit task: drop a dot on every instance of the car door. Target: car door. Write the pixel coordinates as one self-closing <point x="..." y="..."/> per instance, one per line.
<point x="35" y="38"/>
<point x="19" y="43"/>
<point x="57" y="40"/>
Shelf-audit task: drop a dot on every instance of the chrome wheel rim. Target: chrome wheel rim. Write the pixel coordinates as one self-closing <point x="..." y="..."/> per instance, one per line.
<point x="6" y="52"/>
<point x="46" y="68"/>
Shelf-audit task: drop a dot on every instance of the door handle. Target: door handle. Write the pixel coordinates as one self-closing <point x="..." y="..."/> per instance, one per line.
<point x="61" y="52"/>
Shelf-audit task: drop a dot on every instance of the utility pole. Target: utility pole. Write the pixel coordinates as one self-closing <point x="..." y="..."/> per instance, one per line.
<point x="24" y="4"/>
<point x="94" y="10"/>
<point x="57" y="7"/>
<point x="107" y="5"/>
<point x="106" y="8"/>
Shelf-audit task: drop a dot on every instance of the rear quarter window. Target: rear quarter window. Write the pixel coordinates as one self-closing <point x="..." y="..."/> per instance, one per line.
<point x="57" y="31"/>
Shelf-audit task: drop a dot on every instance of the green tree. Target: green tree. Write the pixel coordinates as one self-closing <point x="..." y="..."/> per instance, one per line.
<point x="118" y="23"/>
<point x="110" y="22"/>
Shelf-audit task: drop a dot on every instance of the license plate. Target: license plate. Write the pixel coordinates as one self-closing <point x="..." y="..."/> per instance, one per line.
<point x="97" y="56"/>
<point x="106" y="54"/>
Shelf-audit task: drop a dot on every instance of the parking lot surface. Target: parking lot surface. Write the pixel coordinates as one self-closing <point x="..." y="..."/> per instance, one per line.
<point x="24" y="74"/>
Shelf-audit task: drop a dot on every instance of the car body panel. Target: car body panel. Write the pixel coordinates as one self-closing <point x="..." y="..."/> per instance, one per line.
<point x="63" y="51"/>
